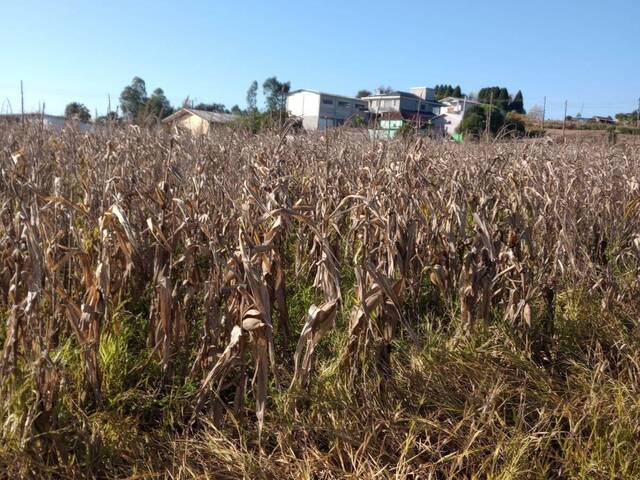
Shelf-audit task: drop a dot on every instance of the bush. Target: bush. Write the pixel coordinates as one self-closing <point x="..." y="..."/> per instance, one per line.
<point x="514" y="124"/>
<point x="474" y="122"/>
<point x="628" y="130"/>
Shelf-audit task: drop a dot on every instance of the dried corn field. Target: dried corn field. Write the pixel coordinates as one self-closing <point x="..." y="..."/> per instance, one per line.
<point x="315" y="307"/>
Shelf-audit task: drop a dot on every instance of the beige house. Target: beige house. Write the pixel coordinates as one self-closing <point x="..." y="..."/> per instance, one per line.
<point x="198" y="122"/>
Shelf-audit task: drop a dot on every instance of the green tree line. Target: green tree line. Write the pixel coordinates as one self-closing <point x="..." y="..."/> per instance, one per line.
<point x="497" y="108"/>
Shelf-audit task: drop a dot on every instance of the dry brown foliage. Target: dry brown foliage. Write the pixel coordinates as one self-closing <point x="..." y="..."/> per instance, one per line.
<point x="210" y="236"/>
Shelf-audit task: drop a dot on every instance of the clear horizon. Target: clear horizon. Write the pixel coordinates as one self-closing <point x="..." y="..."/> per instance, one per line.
<point x="583" y="52"/>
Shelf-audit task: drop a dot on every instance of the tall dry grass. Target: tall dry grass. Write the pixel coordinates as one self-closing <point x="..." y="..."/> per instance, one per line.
<point x="283" y="306"/>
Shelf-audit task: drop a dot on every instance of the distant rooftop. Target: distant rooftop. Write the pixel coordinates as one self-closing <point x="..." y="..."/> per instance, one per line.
<point x="400" y="93"/>
<point x="29" y="115"/>
<point x="325" y="93"/>
<point x="456" y="99"/>
<point x="395" y="93"/>
<point x="212" y="117"/>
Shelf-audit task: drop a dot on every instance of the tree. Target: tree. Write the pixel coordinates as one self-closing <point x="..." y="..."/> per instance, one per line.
<point x="111" y="117"/>
<point x="252" y="97"/>
<point x="517" y="104"/>
<point x="363" y="93"/>
<point x="535" y="113"/>
<point x="236" y="110"/>
<point x="156" y="107"/>
<point x="276" y="93"/>
<point x="515" y="124"/>
<point x="77" y="111"/>
<point x="132" y="98"/>
<point x="496" y="120"/>
<point x="489" y="95"/>
<point x="212" y="107"/>
<point x="503" y="99"/>
<point x="382" y="90"/>
<point x="629" y="118"/>
<point x="443" y="91"/>
<point x="500" y="97"/>
<point x="475" y="120"/>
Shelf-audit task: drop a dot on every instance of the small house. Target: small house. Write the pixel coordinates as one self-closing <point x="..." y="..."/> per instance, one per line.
<point x="198" y="122"/>
<point x="606" y="120"/>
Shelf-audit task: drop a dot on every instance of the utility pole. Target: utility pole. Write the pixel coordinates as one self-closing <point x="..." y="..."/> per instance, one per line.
<point x="564" y="119"/>
<point x="488" y="120"/>
<point x="544" y="110"/>
<point x="638" y="114"/>
<point x="21" y="103"/>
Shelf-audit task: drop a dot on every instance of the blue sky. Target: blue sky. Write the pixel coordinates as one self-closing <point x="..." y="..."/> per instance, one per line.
<point x="585" y="51"/>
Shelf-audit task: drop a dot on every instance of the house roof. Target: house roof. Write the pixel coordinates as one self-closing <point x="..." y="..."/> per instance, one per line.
<point x="327" y="94"/>
<point x="211" y="117"/>
<point x="395" y="93"/>
<point x="405" y="115"/>
<point x="398" y="94"/>
<point x="455" y="99"/>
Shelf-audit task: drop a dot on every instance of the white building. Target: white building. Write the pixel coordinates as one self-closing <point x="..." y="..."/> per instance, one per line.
<point x="48" y="122"/>
<point x="452" y="112"/>
<point x="319" y="111"/>
<point x="419" y="101"/>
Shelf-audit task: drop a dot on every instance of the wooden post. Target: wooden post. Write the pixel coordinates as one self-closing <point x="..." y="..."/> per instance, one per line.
<point x="564" y="119"/>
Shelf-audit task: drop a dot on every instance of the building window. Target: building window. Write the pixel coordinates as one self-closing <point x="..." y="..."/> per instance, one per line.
<point x="344" y="104"/>
<point x="327" y="101"/>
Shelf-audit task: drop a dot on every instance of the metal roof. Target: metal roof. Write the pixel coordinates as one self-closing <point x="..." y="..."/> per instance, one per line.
<point x="456" y="99"/>
<point x="211" y="117"/>
<point x="398" y="93"/>
<point x="327" y="94"/>
<point x="395" y="93"/>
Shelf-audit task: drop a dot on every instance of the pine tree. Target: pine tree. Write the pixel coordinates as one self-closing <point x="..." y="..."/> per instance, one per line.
<point x="503" y="99"/>
<point x="517" y="104"/>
